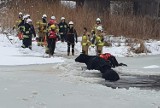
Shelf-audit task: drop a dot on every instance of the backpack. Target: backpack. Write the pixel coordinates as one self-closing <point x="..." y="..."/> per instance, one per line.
<point x="106" y="56"/>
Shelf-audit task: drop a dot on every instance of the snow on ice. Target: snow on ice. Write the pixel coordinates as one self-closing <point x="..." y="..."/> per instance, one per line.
<point x="152" y="66"/>
<point x="60" y="82"/>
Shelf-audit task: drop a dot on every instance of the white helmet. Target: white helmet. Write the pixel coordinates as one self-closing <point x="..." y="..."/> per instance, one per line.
<point x="100" y="28"/>
<point x="98" y="19"/>
<point x="62" y="18"/>
<point x="25" y="17"/>
<point x="28" y="21"/>
<point x="20" y="13"/>
<point x="44" y="16"/>
<point x="71" y="23"/>
<point x="53" y="17"/>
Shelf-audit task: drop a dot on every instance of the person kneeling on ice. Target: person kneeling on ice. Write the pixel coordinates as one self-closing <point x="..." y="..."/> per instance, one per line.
<point x="52" y="38"/>
<point x="98" y="63"/>
<point x="111" y="59"/>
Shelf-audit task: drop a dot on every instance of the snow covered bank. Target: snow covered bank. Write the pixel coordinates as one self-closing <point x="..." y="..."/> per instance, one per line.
<point x="13" y="54"/>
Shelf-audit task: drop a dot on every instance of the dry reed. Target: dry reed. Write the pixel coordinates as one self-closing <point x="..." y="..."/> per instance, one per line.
<point x="130" y="26"/>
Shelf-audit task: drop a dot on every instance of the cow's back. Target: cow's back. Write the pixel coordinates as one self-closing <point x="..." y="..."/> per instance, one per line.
<point x="97" y="63"/>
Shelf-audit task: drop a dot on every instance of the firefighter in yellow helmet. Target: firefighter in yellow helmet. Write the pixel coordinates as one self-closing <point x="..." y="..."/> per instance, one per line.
<point x="51" y="39"/>
<point x="42" y="30"/>
<point x="85" y="42"/>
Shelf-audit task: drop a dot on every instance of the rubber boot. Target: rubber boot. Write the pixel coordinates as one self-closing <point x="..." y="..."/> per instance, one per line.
<point x="68" y="53"/>
<point x="73" y="53"/>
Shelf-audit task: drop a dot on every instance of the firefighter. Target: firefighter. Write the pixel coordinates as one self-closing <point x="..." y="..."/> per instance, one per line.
<point x="21" y="27"/>
<point x="98" y="23"/>
<point x="52" y="38"/>
<point x="85" y="42"/>
<point x="98" y="40"/>
<point x="63" y="26"/>
<point x="52" y="21"/>
<point x="42" y="30"/>
<point x="20" y="18"/>
<point x="17" y="25"/>
<point x="94" y="30"/>
<point x="28" y="32"/>
<point x="71" y="38"/>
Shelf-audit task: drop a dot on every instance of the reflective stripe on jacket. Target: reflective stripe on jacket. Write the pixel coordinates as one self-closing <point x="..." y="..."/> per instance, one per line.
<point x="99" y="40"/>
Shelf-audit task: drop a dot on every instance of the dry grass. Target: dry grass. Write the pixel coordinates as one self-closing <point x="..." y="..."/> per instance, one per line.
<point x="137" y="46"/>
<point x="141" y="48"/>
<point x="131" y="26"/>
<point x="134" y="26"/>
<point x="81" y="17"/>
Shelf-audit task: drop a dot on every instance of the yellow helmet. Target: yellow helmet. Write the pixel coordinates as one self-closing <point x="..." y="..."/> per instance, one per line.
<point x="53" y="26"/>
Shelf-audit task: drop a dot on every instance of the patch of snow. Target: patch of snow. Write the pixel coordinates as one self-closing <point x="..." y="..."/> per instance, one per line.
<point x="152" y="66"/>
<point x="15" y="55"/>
<point x="13" y="52"/>
<point x="70" y="4"/>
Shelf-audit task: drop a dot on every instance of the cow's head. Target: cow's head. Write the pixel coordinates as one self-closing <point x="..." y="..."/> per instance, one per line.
<point x="82" y="58"/>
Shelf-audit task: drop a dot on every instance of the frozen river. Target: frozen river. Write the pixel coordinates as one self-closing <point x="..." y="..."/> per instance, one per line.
<point x="146" y="64"/>
<point x="66" y="85"/>
<point x="143" y="71"/>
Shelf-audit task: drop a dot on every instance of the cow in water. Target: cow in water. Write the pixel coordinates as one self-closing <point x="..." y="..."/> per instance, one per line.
<point x="98" y="63"/>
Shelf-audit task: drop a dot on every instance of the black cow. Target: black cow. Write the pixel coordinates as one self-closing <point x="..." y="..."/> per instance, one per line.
<point x="97" y="63"/>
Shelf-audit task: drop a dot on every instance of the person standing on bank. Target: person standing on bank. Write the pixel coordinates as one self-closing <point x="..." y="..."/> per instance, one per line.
<point x="71" y="38"/>
<point x="85" y="42"/>
<point x="28" y="33"/>
<point x="63" y="29"/>
<point x="52" y="38"/>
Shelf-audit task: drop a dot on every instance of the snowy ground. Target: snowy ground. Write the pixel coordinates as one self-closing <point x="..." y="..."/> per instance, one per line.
<point x="60" y="82"/>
